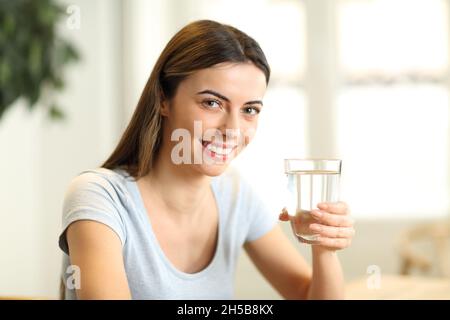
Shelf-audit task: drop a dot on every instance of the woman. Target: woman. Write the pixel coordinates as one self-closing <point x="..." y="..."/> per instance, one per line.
<point x="164" y="218"/>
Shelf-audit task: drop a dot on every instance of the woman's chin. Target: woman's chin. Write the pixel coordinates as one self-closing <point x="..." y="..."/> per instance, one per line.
<point x="212" y="170"/>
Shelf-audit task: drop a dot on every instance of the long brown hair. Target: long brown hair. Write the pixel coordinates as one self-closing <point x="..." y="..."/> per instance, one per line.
<point x="199" y="45"/>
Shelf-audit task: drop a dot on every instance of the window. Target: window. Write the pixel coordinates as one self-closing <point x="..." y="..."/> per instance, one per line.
<point x="393" y="107"/>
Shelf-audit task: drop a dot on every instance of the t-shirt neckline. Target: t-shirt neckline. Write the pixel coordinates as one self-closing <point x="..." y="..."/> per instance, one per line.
<point x="145" y="217"/>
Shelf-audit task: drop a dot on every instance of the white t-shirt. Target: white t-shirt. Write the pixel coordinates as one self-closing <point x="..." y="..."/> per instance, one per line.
<point x="112" y="197"/>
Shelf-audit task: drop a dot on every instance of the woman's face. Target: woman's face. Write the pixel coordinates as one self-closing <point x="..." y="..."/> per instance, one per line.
<point x="213" y="116"/>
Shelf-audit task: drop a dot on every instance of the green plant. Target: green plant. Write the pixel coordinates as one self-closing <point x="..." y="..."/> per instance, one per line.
<point x="32" y="54"/>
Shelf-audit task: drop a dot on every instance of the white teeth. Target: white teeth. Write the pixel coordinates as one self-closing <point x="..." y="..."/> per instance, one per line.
<point x="218" y="150"/>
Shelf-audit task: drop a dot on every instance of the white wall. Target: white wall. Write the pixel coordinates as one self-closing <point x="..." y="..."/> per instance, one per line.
<point x="145" y="33"/>
<point x="40" y="157"/>
<point x="20" y="244"/>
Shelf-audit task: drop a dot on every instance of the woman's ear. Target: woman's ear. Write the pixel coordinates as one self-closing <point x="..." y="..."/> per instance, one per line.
<point x="164" y="108"/>
<point x="164" y="105"/>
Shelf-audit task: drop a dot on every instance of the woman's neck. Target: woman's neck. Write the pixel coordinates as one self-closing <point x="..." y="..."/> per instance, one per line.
<point x="182" y="191"/>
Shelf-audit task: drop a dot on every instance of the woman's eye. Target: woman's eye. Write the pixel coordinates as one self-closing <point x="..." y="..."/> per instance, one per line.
<point x="210" y="104"/>
<point x="251" y="110"/>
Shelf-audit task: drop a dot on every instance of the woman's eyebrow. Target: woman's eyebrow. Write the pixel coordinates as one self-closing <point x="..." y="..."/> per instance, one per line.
<point x="214" y="93"/>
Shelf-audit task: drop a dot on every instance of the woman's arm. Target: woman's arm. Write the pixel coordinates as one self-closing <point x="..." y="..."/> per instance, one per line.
<point x="328" y="279"/>
<point x="96" y="249"/>
<point x="335" y="228"/>
<point x="283" y="266"/>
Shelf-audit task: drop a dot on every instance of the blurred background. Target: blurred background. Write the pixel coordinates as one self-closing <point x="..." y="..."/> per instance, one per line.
<point x="365" y="81"/>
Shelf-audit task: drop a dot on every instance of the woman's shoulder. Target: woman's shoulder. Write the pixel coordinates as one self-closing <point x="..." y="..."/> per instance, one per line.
<point x="102" y="180"/>
<point x="102" y="174"/>
<point x="95" y="194"/>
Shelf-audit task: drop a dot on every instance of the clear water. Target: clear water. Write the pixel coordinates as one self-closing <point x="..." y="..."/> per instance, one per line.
<point x="306" y="190"/>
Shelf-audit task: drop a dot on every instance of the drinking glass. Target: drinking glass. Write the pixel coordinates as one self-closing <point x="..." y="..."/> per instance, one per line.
<point x="310" y="182"/>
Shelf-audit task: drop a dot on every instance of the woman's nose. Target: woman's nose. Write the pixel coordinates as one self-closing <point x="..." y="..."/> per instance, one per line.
<point x="231" y="127"/>
<point x="232" y="121"/>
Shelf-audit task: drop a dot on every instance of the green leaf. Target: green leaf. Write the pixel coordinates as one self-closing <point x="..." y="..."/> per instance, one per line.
<point x="9" y="25"/>
<point x="32" y="53"/>
<point x="55" y="113"/>
<point x="35" y="58"/>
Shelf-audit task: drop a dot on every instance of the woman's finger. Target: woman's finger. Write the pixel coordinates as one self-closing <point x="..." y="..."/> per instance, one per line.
<point x="335" y="207"/>
<point x="333" y="243"/>
<point x="284" y="216"/>
<point x="332" y="219"/>
<point x="333" y="232"/>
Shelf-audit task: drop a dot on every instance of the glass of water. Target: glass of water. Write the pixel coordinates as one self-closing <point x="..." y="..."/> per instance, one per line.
<point x="310" y="182"/>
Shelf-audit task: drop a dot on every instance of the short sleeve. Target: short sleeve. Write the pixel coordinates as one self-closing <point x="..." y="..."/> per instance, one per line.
<point x="90" y="196"/>
<point x="261" y="218"/>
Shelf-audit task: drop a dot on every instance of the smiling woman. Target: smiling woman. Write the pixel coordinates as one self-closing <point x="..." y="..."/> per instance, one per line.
<point x="226" y="119"/>
<point x="168" y="229"/>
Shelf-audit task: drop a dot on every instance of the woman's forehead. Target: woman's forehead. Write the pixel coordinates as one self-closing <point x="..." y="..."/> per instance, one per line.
<point x="237" y="79"/>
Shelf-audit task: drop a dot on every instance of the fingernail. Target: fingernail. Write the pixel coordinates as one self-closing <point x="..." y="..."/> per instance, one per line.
<point x="323" y="205"/>
<point x="316" y="213"/>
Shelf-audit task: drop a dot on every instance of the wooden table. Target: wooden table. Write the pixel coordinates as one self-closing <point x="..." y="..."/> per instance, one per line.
<point x="398" y="287"/>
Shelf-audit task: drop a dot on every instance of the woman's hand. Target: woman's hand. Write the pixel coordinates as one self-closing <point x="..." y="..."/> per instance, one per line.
<point x="333" y="224"/>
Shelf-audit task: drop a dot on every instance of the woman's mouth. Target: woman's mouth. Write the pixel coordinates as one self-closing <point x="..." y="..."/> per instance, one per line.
<point x="218" y="151"/>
